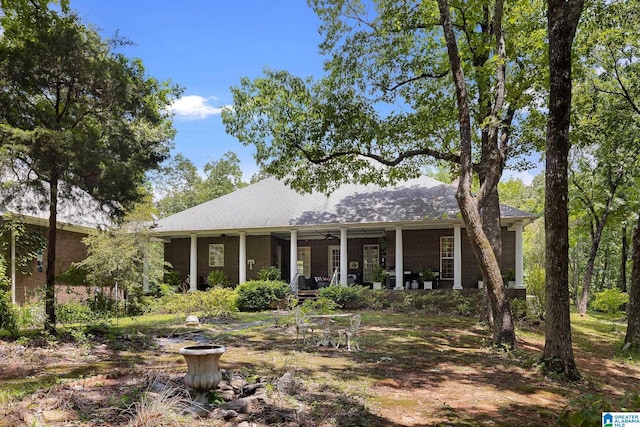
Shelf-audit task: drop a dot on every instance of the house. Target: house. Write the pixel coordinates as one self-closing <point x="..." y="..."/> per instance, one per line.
<point x="75" y="220"/>
<point x="405" y="228"/>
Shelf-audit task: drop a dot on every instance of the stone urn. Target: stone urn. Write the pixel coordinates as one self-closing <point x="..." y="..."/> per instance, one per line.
<point x="203" y="373"/>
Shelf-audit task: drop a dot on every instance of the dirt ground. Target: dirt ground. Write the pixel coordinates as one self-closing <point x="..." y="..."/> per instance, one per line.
<point x="413" y="370"/>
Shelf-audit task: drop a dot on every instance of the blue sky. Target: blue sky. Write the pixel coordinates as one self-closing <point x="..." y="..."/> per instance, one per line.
<point x="207" y="46"/>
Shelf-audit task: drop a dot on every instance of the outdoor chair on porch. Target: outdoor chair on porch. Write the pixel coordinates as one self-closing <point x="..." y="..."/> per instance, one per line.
<point x="351" y="333"/>
<point x="302" y="325"/>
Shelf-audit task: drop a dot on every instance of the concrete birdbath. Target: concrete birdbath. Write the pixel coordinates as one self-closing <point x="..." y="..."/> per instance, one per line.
<point x="203" y="373"/>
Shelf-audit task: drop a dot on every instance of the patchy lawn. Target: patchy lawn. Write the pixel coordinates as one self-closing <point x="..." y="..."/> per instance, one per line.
<point x="413" y="370"/>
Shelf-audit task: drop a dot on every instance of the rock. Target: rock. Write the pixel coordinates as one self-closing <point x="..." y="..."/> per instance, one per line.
<point x="240" y="405"/>
<point x="157" y="387"/>
<point x="226" y="394"/>
<point x="58" y="415"/>
<point x="244" y="424"/>
<point x="286" y="384"/>
<point x="192" y="320"/>
<point x="28" y="417"/>
<point x="253" y="388"/>
<point x="237" y="383"/>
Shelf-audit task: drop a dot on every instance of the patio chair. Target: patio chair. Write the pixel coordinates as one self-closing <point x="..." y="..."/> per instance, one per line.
<point x="302" y="325"/>
<point x="351" y="333"/>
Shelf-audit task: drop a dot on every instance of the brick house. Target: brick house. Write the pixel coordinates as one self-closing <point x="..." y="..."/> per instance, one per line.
<point x="75" y="221"/>
<point x="409" y="227"/>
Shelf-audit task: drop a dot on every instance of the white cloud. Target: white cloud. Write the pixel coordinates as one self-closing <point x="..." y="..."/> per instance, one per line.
<point x="194" y="107"/>
<point x="524" y="176"/>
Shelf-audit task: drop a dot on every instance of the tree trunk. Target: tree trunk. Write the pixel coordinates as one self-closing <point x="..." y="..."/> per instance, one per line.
<point x="588" y="274"/>
<point x="490" y="212"/>
<point x="562" y="20"/>
<point x="633" y="308"/>
<point x="503" y="328"/>
<point x="50" y="290"/>
<point x="623" y="260"/>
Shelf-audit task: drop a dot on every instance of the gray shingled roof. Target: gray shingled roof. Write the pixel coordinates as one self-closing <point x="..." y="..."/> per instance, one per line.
<point x="270" y="204"/>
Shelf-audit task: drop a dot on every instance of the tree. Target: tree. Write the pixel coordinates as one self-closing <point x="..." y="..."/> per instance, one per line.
<point x="83" y="119"/>
<point x="388" y="104"/>
<point x="183" y="187"/>
<point x="562" y="21"/>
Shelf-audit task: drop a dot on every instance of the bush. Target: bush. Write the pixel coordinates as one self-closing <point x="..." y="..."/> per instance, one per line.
<point x="8" y="314"/>
<point x="257" y="295"/>
<point x="587" y="410"/>
<point x="74" y="312"/>
<point x="610" y="300"/>
<point x="218" y="302"/>
<point x="218" y="278"/>
<point x="536" y="282"/>
<point x="344" y="296"/>
<point x="320" y="305"/>
<point x="269" y="273"/>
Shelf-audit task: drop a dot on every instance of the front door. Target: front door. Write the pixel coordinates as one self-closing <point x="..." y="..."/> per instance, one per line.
<point x="334" y="260"/>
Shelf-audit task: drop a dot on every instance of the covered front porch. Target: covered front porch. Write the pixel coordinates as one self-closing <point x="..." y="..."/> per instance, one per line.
<point x="348" y="254"/>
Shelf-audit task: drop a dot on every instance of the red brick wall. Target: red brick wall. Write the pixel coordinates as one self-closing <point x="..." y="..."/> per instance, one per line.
<point x="69" y="249"/>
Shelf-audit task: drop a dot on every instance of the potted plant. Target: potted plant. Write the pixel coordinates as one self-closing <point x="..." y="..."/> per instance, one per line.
<point x="378" y="275"/>
<point x="480" y="280"/>
<point x="510" y="279"/>
<point x="427" y="277"/>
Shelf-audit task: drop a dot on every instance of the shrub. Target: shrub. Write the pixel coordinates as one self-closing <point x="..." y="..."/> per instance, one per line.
<point x="8" y="314"/>
<point x="320" y="305"/>
<point x="270" y="273"/>
<point x="587" y="410"/>
<point x="256" y="295"/>
<point x="519" y="308"/>
<point x="172" y="278"/>
<point x="74" y="312"/>
<point x="343" y="296"/>
<point x="219" y="302"/>
<point x="536" y="282"/>
<point x="218" y="278"/>
<point x="610" y="300"/>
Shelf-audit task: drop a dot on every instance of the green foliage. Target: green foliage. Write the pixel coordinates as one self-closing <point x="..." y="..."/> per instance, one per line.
<point x="519" y="308"/>
<point x="610" y="300"/>
<point x="321" y="305"/>
<point x="436" y="302"/>
<point x="536" y="283"/>
<point x="343" y="296"/>
<point x="73" y="276"/>
<point x="75" y="312"/>
<point x="172" y="278"/>
<point x="256" y="295"/>
<point x="218" y="278"/>
<point x="8" y="314"/>
<point x="30" y="242"/>
<point x="378" y="274"/>
<point x="269" y="273"/>
<point x="219" y="302"/>
<point x="214" y="302"/>
<point x="427" y="274"/>
<point x="586" y="410"/>
<point x="183" y="187"/>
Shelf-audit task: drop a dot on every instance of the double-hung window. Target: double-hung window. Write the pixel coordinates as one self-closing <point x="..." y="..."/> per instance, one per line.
<point x="216" y="255"/>
<point x="446" y="257"/>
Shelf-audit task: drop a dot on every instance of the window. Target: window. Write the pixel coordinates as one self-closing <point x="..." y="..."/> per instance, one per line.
<point x="446" y="257"/>
<point x="304" y="261"/>
<point x="334" y="259"/>
<point x="216" y="255"/>
<point x="370" y="258"/>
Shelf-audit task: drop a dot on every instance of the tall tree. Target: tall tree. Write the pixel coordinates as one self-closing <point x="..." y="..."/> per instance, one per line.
<point x="562" y="21"/>
<point x="183" y="187"/>
<point x="396" y="95"/>
<point x="76" y="117"/>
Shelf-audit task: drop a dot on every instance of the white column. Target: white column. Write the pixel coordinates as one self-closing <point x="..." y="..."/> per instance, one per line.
<point x="242" y="257"/>
<point x="343" y="257"/>
<point x="457" y="258"/>
<point x="193" y="264"/>
<point x="399" y="259"/>
<point x="13" y="266"/>
<point x="293" y="256"/>
<point x="519" y="257"/>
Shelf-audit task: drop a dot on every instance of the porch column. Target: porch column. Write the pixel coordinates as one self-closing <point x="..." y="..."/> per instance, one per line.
<point x="13" y="267"/>
<point x="343" y="257"/>
<point x="293" y="255"/>
<point x="193" y="264"/>
<point x="399" y="259"/>
<point x="457" y="258"/>
<point x="519" y="257"/>
<point x="242" y="256"/>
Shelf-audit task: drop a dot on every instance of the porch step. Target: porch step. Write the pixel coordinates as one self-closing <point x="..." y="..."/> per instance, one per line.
<point x="304" y="294"/>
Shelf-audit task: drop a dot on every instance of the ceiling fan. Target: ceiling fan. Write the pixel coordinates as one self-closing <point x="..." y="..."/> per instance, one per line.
<point x="329" y="236"/>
